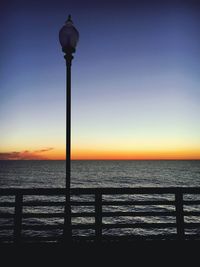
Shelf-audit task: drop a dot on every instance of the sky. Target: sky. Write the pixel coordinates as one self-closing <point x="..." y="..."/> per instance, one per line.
<point x="135" y="80"/>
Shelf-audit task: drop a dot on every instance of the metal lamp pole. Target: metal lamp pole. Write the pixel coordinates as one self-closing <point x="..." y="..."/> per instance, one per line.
<point x="68" y="37"/>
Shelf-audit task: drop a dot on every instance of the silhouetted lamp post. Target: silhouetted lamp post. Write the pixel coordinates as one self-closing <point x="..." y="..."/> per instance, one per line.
<point x="68" y="37"/>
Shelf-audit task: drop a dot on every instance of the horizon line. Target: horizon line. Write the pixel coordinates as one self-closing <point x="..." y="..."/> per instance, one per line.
<point x="173" y="159"/>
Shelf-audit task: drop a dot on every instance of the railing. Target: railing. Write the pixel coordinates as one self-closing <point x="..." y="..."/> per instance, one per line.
<point x="105" y="214"/>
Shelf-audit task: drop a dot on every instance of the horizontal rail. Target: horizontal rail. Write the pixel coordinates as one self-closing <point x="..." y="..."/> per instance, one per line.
<point x="124" y="213"/>
<point x="134" y="190"/>
<point x="137" y="203"/>
<point x="191" y="202"/>
<point x="130" y="237"/>
<point x="43" y="215"/>
<point x="6" y="227"/>
<point x="32" y="191"/>
<point x="5" y="215"/>
<point x="7" y="204"/>
<point x="41" y="239"/>
<point x="42" y="227"/>
<point x="191" y="213"/>
<point x="192" y="225"/>
<point x="127" y="225"/>
<point x="103" y="191"/>
<point x="92" y="203"/>
<point x="106" y="203"/>
<point x="43" y="203"/>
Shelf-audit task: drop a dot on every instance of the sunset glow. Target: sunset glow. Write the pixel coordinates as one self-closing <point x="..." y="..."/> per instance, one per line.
<point x="92" y="154"/>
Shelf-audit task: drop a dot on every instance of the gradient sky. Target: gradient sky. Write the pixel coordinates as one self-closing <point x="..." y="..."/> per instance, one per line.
<point x="135" y="80"/>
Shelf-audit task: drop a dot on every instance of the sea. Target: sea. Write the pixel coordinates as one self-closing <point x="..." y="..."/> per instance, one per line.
<point x="102" y="173"/>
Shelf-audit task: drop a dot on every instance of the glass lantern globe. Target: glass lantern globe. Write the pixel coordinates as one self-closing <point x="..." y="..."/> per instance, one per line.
<point x="68" y="37"/>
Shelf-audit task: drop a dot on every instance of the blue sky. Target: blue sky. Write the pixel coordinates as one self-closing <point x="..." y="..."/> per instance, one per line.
<point x="135" y="78"/>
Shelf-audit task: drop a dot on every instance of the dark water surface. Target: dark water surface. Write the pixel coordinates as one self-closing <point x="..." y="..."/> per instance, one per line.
<point x="100" y="173"/>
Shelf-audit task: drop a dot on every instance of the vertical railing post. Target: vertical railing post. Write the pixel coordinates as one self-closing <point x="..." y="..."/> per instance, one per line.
<point x="179" y="215"/>
<point x="98" y="216"/>
<point x="18" y="217"/>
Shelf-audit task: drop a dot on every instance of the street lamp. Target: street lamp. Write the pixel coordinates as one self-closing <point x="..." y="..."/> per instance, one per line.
<point x="68" y="37"/>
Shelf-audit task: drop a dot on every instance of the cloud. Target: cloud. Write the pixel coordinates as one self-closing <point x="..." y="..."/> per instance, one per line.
<point x="44" y="150"/>
<point x="25" y="155"/>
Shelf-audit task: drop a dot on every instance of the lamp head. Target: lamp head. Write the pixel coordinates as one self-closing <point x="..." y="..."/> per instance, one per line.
<point x="68" y="37"/>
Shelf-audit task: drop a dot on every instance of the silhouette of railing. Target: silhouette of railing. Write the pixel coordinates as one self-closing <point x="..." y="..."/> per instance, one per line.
<point x="22" y="221"/>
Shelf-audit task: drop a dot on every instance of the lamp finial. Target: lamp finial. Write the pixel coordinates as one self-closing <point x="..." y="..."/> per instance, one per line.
<point x="69" y="19"/>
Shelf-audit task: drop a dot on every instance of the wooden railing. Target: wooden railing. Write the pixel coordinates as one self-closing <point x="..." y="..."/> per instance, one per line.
<point x="105" y="214"/>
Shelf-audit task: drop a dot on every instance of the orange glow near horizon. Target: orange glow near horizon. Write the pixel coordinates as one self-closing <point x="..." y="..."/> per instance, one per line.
<point x="136" y="155"/>
<point x="54" y="154"/>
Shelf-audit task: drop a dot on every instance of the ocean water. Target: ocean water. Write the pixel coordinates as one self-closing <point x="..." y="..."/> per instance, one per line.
<point x="33" y="174"/>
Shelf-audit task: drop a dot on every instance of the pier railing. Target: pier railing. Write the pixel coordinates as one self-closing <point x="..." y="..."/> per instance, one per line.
<point x="100" y="214"/>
